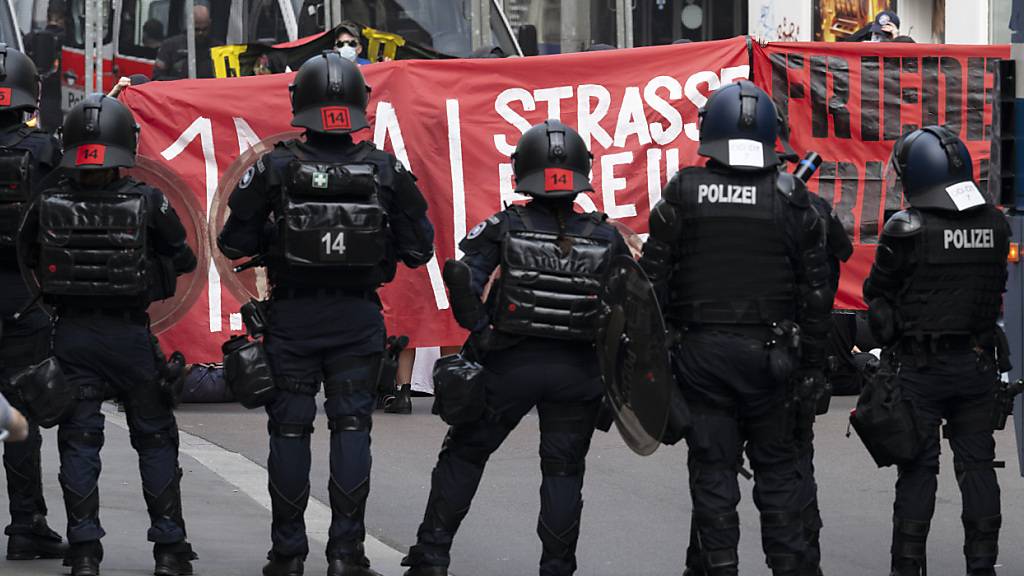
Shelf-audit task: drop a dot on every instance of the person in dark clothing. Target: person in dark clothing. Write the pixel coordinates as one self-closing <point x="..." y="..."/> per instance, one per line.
<point x="172" y="57"/>
<point x="99" y="286"/>
<point x="934" y="297"/>
<point x="740" y="213"/>
<point x="325" y="320"/>
<point x="534" y="355"/>
<point x="27" y="156"/>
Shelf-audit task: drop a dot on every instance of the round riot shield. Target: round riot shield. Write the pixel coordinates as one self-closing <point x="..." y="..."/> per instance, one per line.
<point x="163" y="313"/>
<point x="633" y="354"/>
<point x="252" y="282"/>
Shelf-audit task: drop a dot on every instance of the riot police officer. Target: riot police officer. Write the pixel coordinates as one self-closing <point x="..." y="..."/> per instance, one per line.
<point x="934" y="296"/>
<point x="738" y="254"/>
<point x="102" y="247"/>
<point x="343" y="215"/>
<point x="27" y="155"/>
<point x="535" y="339"/>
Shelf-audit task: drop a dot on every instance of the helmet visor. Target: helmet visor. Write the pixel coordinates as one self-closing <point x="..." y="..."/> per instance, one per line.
<point x="892" y="184"/>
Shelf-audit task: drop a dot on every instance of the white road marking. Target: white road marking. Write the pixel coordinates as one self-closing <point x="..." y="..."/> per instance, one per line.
<point x="251" y="479"/>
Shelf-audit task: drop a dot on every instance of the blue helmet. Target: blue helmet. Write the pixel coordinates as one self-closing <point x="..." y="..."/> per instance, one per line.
<point x="739" y="126"/>
<point x="933" y="169"/>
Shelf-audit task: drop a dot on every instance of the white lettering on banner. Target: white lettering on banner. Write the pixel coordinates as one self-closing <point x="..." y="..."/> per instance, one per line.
<point x="554" y="97"/>
<point x="203" y="128"/>
<point x="660" y="134"/>
<point x="632" y="120"/>
<point x="386" y="125"/>
<point x="726" y="194"/>
<point x="610" y="184"/>
<point x="969" y="238"/>
<point x="501" y="106"/>
<point x="695" y="96"/>
<point x="458" y="178"/>
<point x="588" y="120"/>
<point x="653" y="176"/>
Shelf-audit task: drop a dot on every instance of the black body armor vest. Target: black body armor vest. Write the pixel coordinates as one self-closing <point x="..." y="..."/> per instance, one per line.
<point x="93" y="242"/>
<point x="15" y="187"/>
<point x="331" y="217"/>
<point x="734" y="265"/>
<point x="546" y="292"/>
<point x="957" y="286"/>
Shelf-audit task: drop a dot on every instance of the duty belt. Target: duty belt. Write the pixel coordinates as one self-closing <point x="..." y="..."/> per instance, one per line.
<point x="755" y="331"/>
<point x="937" y="343"/>
<point x="291" y="293"/>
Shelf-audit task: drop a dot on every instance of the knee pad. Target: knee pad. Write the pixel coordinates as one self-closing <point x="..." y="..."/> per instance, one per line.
<point x="350" y="423"/>
<point x="68" y="436"/>
<point x="154" y="440"/>
<point x="289" y="430"/>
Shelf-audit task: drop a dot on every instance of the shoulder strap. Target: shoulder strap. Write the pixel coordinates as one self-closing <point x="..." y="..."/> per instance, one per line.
<point x="19" y="136"/>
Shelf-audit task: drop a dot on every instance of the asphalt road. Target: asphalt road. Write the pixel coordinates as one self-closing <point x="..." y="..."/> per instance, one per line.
<point x="635" y="518"/>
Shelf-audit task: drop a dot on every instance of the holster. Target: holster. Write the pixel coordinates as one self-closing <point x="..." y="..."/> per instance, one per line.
<point x="49" y="398"/>
<point x="388" y="370"/>
<point x="254" y="316"/>
<point x="459" y="394"/>
<point x="172" y="374"/>
<point x="1005" y="395"/>
<point x="247" y="371"/>
<point x="885" y="421"/>
<point x="783" y="350"/>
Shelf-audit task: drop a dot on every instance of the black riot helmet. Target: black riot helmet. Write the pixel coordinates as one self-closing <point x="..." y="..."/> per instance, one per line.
<point x="99" y="132"/>
<point x="932" y="168"/>
<point x="19" y="80"/>
<point x="329" y="95"/>
<point x="551" y="161"/>
<point x="739" y="126"/>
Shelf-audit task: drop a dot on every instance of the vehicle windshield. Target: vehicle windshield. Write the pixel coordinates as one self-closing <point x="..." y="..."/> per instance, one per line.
<point x="442" y="25"/>
<point x="8" y="32"/>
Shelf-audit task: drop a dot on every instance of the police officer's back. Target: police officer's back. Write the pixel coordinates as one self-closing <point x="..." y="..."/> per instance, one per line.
<point x="934" y="297"/>
<point x="535" y="339"/>
<point x="738" y="256"/>
<point x="27" y="156"/>
<point x="330" y="219"/>
<point x="102" y="247"/>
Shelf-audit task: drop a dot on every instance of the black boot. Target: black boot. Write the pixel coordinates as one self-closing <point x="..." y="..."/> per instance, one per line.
<point x="350" y="566"/>
<point x="909" y="542"/>
<point x="173" y="559"/>
<point x="283" y="565"/>
<point x="84" y="558"/>
<point x="427" y="571"/>
<point x="401" y="403"/>
<point x="34" y="540"/>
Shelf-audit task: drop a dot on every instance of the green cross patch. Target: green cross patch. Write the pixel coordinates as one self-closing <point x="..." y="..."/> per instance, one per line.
<point x="320" y="180"/>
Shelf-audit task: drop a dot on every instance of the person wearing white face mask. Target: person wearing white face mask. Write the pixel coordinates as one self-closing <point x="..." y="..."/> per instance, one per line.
<point x="348" y="44"/>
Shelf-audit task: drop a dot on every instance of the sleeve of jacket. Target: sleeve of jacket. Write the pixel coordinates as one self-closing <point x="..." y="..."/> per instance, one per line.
<point x="813" y="275"/>
<point x="407" y="211"/>
<point x="170" y="237"/>
<point x="481" y="250"/>
<point x="895" y="262"/>
<point x="245" y="232"/>
<point x="661" y="249"/>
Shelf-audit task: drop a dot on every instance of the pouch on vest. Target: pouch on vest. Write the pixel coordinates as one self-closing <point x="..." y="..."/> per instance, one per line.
<point x="15" y="179"/>
<point x="459" y="389"/>
<point x="247" y="371"/>
<point x="49" y="398"/>
<point x="332" y="216"/>
<point x="886" y="422"/>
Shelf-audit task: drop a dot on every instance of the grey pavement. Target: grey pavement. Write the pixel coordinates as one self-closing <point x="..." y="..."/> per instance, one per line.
<point x="635" y="520"/>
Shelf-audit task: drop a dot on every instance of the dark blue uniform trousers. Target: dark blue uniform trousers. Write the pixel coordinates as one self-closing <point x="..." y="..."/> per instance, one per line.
<point x="562" y="380"/>
<point x="336" y="340"/>
<point x="105" y="354"/>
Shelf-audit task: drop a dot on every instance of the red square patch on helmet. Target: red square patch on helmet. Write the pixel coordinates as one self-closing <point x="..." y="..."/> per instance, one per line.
<point x="5" y="97"/>
<point x="335" y="118"/>
<point x="557" y="179"/>
<point x="90" y="154"/>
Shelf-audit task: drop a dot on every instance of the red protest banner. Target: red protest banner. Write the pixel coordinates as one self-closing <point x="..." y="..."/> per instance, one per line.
<point x="851" y="101"/>
<point x="454" y="124"/>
